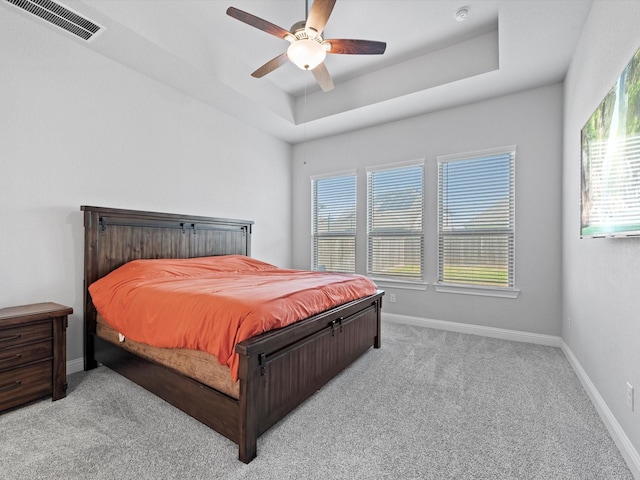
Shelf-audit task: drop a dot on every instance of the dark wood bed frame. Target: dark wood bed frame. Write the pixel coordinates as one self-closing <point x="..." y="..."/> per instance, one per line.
<point x="278" y="369"/>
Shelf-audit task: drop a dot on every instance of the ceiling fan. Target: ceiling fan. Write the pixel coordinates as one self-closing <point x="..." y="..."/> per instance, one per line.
<point x="307" y="48"/>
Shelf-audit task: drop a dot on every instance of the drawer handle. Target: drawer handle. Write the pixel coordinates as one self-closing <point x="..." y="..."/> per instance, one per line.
<point x="13" y="337"/>
<point x="8" y="359"/>
<point x="11" y="386"/>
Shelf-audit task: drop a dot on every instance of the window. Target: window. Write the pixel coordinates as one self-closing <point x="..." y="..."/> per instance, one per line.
<point x="334" y="223"/>
<point x="395" y="208"/>
<point x="476" y="210"/>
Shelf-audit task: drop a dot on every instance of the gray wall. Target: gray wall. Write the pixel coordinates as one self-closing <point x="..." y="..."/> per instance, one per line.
<point x="77" y="128"/>
<point x="601" y="280"/>
<point x="533" y="121"/>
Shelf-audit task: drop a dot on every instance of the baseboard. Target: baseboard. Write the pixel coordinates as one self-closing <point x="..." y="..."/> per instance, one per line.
<point x="629" y="453"/>
<point x="75" y="366"/>
<point x="492" y="332"/>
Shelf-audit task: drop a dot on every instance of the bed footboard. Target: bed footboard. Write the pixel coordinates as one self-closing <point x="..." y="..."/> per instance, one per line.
<point x="282" y="371"/>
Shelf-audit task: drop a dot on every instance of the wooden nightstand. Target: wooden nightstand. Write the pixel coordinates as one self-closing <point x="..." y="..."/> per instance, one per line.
<point x="33" y="353"/>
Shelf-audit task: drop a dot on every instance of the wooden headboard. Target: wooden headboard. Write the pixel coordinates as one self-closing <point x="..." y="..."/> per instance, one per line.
<point x="114" y="237"/>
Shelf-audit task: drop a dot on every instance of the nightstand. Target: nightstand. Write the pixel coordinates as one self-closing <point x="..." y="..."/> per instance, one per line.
<point x="33" y="351"/>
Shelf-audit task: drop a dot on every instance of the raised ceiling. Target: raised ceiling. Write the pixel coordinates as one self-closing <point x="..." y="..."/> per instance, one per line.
<point x="432" y="61"/>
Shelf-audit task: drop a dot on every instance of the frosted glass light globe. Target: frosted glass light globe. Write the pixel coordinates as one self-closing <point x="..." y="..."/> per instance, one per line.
<point x="307" y="54"/>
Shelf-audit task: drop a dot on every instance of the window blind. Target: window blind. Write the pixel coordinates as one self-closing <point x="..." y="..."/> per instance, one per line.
<point x="395" y="210"/>
<point x="476" y="217"/>
<point x="334" y="223"/>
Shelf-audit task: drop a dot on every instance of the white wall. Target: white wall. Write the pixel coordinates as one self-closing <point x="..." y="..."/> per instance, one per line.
<point x="533" y="121"/>
<point x="601" y="280"/>
<point x="78" y="129"/>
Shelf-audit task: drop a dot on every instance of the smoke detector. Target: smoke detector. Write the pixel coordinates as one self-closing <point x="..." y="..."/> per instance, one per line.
<point x="461" y="14"/>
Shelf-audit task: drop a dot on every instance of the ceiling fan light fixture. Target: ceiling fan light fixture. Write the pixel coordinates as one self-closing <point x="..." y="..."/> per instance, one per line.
<point x="306" y="54"/>
<point x="311" y="32"/>
<point x="307" y="49"/>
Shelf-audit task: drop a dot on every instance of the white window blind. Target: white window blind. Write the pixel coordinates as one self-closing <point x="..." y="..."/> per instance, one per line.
<point x="395" y="210"/>
<point x="476" y="210"/>
<point x="334" y="223"/>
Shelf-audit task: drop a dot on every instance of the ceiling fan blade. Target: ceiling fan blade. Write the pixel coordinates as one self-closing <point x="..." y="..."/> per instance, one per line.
<point x="258" y="22"/>
<point x="323" y="78"/>
<point x="319" y="14"/>
<point x="359" y="47"/>
<point x="271" y="65"/>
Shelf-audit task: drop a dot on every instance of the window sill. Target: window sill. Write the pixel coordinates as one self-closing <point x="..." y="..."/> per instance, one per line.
<point x="474" y="290"/>
<point x="402" y="284"/>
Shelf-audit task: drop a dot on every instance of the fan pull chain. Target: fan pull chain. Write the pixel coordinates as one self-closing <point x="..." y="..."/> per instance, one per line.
<point x="306" y="114"/>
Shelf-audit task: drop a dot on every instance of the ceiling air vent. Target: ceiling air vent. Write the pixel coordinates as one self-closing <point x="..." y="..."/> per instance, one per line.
<point x="60" y="16"/>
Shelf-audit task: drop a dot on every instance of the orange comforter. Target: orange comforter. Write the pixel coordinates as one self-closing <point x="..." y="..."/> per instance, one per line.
<point x="213" y="303"/>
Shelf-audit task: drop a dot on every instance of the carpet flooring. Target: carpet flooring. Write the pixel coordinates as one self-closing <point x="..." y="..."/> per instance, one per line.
<point x="429" y="404"/>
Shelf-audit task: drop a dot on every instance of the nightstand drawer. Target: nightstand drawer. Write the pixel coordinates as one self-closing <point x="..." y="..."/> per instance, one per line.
<point x="25" y="384"/>
<point x="25" y="334"/>
<point x="22" y="354"/>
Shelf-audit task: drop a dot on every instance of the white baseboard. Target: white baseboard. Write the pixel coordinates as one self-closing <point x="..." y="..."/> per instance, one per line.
<point x="75" y="366"/>
<point x="492" y="332"/>
<point x="627" y="450"/>
<point x="629" y="453"/>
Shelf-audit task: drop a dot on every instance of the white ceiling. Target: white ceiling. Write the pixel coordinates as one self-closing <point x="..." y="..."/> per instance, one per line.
<point x="432" y="61"/>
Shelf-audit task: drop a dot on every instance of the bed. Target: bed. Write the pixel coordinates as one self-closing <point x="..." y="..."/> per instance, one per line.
<point x="277" y="370"/>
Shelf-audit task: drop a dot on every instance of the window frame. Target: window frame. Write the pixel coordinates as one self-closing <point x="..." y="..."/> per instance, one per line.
<point x="509" y="291"/>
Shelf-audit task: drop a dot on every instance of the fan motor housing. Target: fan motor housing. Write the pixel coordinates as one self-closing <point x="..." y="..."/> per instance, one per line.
<point x="298" y="26"/>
